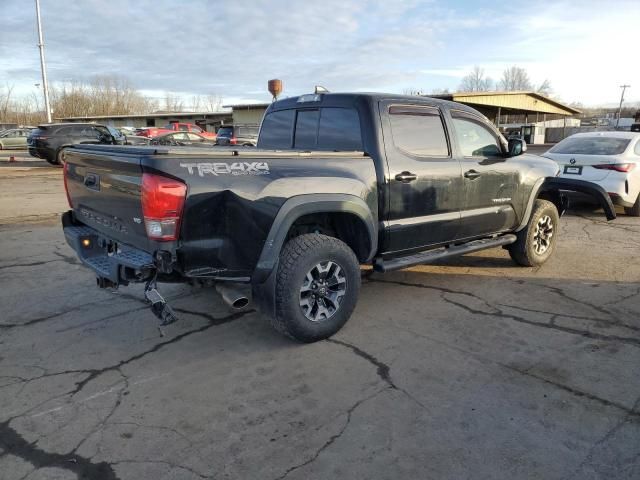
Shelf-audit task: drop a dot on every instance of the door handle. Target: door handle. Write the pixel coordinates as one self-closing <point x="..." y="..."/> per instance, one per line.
<point x="471" y="174"/>
<point x="406" y="177"/>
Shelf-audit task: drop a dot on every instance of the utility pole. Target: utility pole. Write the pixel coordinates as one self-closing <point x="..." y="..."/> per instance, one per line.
<point x="45" y="85"/>
<point x="623" y="87"/>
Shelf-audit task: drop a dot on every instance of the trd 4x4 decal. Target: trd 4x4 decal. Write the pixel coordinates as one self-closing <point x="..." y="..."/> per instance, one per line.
<point x="221" y="168"/>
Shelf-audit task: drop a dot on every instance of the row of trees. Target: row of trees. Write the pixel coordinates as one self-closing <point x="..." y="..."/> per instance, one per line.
<point x="104" y="95"/>
<point x="513" y="78"/>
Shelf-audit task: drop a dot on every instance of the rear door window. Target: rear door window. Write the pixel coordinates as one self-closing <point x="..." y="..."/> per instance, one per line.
<point x="339" y="129"/>
<point x="277" y="129"/>
<point x="306" y="135"/>
<point x="418" y="131"/>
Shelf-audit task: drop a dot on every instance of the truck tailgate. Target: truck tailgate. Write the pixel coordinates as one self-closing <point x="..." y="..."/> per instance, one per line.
<point x="104" y="190"/>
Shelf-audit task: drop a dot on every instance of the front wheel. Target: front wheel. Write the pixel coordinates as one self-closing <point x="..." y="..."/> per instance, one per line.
<point x="537" y="240"/>
<point x="318" y="283"/>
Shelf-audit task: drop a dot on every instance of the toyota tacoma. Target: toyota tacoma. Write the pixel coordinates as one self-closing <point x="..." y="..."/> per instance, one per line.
<point x="336" y="181"/>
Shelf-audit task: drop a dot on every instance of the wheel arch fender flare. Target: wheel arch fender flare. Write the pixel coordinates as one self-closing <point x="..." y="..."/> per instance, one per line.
<point x="300" y="205"/>
<point x="557" y="185"/>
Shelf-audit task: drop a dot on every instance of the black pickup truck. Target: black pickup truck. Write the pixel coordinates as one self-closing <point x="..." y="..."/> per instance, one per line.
<point x="337" y="180"/>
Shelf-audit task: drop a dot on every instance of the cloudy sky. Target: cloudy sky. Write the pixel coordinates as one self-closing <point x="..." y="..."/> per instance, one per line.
<point x="231" y="48"/>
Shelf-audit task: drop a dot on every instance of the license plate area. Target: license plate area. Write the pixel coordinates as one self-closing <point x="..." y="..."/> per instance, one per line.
<point x="572" y="170"/>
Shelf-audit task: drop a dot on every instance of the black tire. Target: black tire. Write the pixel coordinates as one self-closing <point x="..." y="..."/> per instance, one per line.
<point x="534" y="245"/>
<point x="301" y="256"/>
<point x="58" y="158"/>
<point x="633" y="211"/>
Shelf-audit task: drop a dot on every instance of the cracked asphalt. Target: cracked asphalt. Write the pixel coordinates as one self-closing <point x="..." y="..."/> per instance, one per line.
<point x="473" y="368"/>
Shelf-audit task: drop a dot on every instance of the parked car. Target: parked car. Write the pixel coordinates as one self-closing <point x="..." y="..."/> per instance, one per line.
<point x="48" y="140"/>
<point x="14" y="138"/>
<point x="183" y="139"/>
<point x="609" y="159"/>
<point x="176" y="127"/>
<point x="137" y="140"/>
<point x="246" y="135"/>
<point x="337" y="180"/>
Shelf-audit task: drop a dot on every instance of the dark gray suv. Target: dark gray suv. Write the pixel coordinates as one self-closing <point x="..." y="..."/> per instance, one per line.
<point x="48" y="140"/>
<point x="246" y="135"/>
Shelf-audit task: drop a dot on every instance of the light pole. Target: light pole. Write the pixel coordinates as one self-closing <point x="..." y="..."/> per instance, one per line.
<point x="623" y="87"/>
<point x="45" y="85"/>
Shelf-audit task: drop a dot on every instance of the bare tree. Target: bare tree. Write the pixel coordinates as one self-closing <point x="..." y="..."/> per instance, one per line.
<point x="544" y="88"/>
<point x="173" y="103"/>
<point x="212" y="103"/>
<point x="515" y="78"/>
<point x="413" y="91"/>
<point x="475" y="81"/>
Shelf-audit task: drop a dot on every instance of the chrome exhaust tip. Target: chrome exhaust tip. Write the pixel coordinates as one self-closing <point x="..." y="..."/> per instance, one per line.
<point x="235" y="297"/>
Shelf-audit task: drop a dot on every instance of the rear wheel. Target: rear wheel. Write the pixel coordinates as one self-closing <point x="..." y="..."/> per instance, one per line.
<point x="537" y="240"/>
<point x="317" y="288"/>
<point x="58" y="158"/>
<point x="633" y="211"/>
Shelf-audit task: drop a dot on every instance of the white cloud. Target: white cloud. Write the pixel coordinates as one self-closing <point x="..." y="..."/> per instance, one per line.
<point x="233" y="48"/>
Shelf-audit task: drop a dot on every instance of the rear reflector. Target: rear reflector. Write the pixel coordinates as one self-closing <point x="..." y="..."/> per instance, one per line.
<point x="618" y="167"/>
<point x="65" y="174"/>
<point x="162" y="204"/>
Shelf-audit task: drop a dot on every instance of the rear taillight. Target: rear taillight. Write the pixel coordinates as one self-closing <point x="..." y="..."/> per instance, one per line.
<point x="233" y="140"/>
<point x="162" y="204"/>
<point x="618" y="167"/>
<point x="65" y="174"/>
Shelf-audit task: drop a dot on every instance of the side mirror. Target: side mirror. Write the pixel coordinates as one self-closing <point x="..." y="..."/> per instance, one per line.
<point x="517" y="147"/>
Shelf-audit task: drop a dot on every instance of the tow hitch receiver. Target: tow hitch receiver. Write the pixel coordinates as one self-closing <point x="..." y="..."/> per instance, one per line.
<point x="159" y="306"/>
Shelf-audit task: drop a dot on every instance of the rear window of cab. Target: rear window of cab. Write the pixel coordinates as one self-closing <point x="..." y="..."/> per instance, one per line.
<point x="327" y="128"/>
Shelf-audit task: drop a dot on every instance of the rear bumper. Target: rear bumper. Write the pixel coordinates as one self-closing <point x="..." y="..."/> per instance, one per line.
<point x="593" y="190"/>
<point x="116" y="262"/>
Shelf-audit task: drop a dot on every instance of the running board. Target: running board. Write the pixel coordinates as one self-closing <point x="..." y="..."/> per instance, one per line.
<point x="380" y="265"/>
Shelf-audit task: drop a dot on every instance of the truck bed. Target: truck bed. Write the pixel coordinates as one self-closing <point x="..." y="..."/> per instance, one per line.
<point x="233" y="196"/>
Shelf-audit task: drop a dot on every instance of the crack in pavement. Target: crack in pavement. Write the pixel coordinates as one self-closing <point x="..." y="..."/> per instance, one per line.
<point x="630" y="412"/>
<point x="616" y="323"/>
<point x="332" y="439"/>
<point x="11" y="442"/>
<point x="610" y="433"/>
<point x="32" y="264"/>
<point x="500" y="314"/>
<point x="37" y="320"/>
<point x="381" y="368"/>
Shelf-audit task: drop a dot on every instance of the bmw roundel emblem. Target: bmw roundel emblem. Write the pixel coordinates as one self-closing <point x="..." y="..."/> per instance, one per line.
<point x="572" y="161"/>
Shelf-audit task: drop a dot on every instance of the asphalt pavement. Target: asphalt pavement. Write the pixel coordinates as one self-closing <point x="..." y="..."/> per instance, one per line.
<point x="472" y="368"/>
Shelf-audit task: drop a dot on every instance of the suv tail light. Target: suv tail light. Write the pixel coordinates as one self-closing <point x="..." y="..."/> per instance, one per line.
<point x="233" y="140"/>
<point x="162" y="205"/>
<point x="65" y="173"/>
<point x="618" y="167"/>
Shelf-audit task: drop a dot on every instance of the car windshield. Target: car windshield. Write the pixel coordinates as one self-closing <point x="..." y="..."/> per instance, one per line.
<point x="591" y="146"/>
<point x="225" y="132"/>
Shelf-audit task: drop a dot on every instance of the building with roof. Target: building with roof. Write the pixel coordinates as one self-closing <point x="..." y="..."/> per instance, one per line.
<point x="209" y="121"/>
<point x="248" y="113"/>
<point x="523" y="113"/>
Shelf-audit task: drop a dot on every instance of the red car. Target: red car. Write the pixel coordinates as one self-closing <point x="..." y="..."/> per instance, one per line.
<point x="153" y="132"/>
